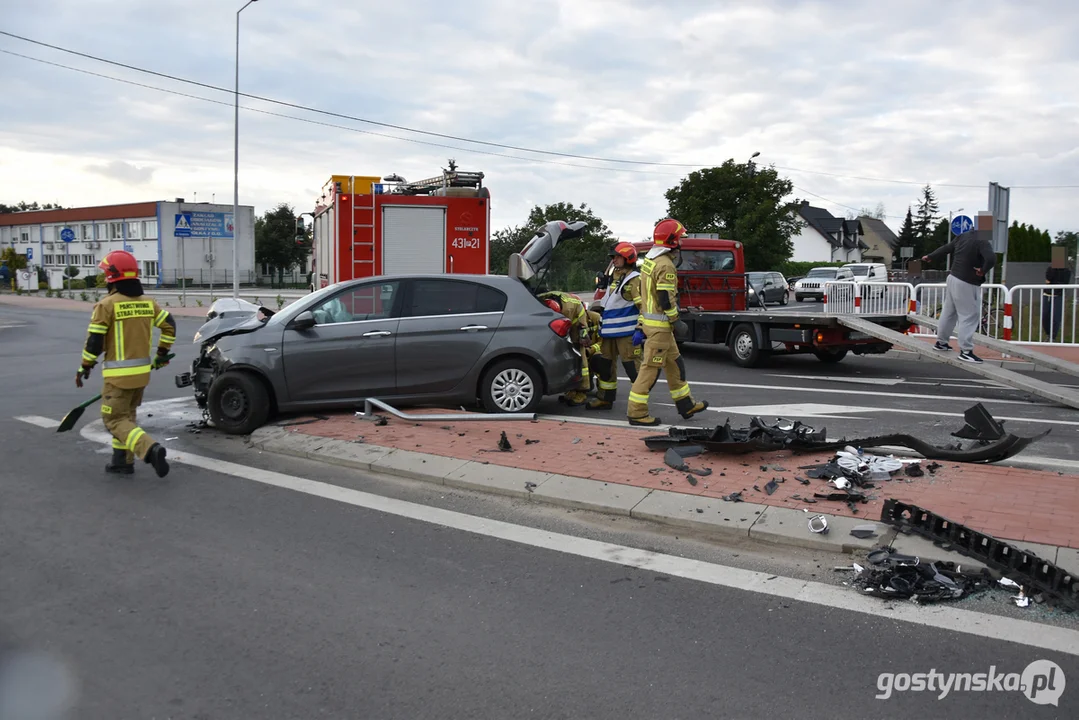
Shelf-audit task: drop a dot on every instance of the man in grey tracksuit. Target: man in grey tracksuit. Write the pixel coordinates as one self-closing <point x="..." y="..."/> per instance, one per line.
<point x="972" y="258"/>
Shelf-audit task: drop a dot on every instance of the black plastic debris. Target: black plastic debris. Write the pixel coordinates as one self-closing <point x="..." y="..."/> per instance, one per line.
<point x="692" y="480"/>
<point x="933" y="467"/>
<point x="674" y="460"/>
<point x="771" y="486"/>
<point x="504" y="443"/>
<point x="841" y="496"/>
<point x="529" y="486"/>
<point x="382" y="420"/>
<point x="895" y="576"/>
<point x="797" y="437"/>
<point x="757" y="488"/>
<point x="699" y="510"/>
<point x="704" y="471"/>
<point x="655" y="471"/>
<point x="687" y="450"/>
<point x="980" y="425"/>
<point x="733" y="497"/>
<point x="913" y="470"/>
<point x="864" y="531"/>
<point x="764" y="468"/>
<point x="802" y="480"/>
<point x="530" y="442"/>
<point x="811" y="501"/>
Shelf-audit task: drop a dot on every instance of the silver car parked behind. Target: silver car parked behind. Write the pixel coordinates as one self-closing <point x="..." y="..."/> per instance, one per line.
<point x="450" y="339"/>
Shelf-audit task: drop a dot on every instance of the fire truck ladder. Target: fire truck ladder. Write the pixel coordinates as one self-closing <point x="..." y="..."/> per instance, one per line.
<point x="364" y="240"/>
<point x="449" y="178"/>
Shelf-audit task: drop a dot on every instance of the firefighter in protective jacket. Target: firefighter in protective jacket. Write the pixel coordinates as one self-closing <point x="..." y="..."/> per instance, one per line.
<point x="619" y="309"/>
<point x="584" y="334"/>
<point x="659" y="316"/>
<point x="122" y="328"/>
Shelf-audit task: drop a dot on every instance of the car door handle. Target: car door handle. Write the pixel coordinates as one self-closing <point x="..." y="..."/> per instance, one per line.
<point x="470" y="328"/>
<point x="377" y="333"/>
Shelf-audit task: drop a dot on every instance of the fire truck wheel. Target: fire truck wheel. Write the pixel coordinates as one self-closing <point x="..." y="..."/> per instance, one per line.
<point x="238" y="403"/>
<point x="511" y="386"/>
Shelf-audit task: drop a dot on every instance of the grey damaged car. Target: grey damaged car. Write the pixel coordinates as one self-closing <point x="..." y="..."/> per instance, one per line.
<point x="404" y="339"/>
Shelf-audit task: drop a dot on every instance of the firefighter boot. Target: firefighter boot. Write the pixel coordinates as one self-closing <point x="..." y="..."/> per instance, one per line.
<point x="156" y="457"/>
<point x="119" y="464"/>
<point x="687" y="408"/>
<point x="574" y="398"/>
<point x="597" y="404"/>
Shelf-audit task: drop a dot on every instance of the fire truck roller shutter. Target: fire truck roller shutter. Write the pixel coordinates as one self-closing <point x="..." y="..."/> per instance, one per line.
<point x="413" y="240"/>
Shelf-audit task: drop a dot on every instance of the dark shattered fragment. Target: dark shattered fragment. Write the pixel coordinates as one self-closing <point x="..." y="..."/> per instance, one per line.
<point x="933" y="467"/>
<point x="692" y="480"/>
<point x="802" y="480"/>
<point x="913" y="470"/>
<point x="504" y="443"/>
<point x="771" y="486"/>
<point x="382" y="420"/>
<point x="674" y="460"/>
<point x="733" y="497"/>
<point x="530" y="442"/>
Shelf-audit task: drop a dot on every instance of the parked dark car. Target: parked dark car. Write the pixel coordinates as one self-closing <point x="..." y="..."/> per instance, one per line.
<point x="766" y="287"/>
<point x="403" y="339"/>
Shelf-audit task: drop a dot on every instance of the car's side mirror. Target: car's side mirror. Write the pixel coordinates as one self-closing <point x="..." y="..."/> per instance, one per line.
<point x="303" y="321"/>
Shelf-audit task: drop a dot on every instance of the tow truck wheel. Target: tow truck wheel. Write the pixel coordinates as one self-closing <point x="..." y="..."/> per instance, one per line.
<point x="744" y="348"/>
<point x="238" y="403"/>
<point x="830" y="356"/>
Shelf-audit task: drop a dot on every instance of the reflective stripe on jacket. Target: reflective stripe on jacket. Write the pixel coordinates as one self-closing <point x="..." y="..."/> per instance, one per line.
<point x="619" y="317"/>
<point x="658" y="275"/>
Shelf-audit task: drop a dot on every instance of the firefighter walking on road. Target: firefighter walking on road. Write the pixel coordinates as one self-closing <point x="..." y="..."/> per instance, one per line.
<point x="618" y="320"/>
<point x="584" y="334"/>
<point x="121" y="328"/>
<point x="659" y="316"/>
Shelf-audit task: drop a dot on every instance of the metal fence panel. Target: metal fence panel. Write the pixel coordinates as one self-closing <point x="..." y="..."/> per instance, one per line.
<point x="1043" y="314"/>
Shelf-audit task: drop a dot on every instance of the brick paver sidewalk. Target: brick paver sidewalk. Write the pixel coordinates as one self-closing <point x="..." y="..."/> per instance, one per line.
<point x="1008" y="503"/>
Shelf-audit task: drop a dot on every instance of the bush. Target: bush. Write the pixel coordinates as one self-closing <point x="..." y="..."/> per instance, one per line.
<point x="799" y="269"/>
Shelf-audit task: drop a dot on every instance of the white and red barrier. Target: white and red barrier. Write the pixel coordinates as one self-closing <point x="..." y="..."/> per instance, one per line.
<point x="1038" y="315"/>
<point x="844" y="297"/>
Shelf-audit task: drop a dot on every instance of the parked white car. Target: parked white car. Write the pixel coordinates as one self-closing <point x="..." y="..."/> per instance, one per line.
<point x="868" y="272"/>
<point x="812" y="285"/>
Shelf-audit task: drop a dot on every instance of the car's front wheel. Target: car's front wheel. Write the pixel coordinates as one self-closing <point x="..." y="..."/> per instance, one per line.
<point x="511" y="386"/>
<point x="238" y="403"/>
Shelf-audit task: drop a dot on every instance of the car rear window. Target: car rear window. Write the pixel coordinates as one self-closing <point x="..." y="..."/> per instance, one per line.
<point x="859" y="269"/>
<point x="822" y="272"/>
<point x="453" y="297"/>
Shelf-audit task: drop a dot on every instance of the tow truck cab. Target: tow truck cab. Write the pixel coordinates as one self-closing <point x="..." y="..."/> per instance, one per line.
<point x="711" y="276"/>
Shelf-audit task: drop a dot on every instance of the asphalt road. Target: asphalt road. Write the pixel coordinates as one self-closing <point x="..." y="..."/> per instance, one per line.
<point x="212" y="595"/>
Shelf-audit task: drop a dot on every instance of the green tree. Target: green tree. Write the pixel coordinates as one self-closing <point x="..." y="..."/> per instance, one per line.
<point x="1027" y="243"/>
<point x="576" y="262"/>
<point x="925" y="222"/>
<point x="740" y="202"/>
<point x="276" y="241"/>
<point x="23" y="206"/>
<point x="906" y="234"/>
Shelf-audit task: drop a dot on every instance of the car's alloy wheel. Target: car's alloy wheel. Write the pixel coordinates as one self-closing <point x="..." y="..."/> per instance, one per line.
<point x="512" y="390"/>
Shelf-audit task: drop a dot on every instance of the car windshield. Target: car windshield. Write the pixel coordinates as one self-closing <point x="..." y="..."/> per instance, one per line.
<point x="859" y="269"/>
<point x="822" y="272"/>
<point x="307" y="301"/>
<point x="706" y="260"/>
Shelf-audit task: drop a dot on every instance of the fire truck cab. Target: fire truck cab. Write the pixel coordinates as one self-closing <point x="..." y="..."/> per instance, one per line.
<point x="366" y="226"/>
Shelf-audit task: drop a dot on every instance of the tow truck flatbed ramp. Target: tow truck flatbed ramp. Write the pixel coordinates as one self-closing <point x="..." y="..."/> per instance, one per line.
<point x="1049" y="391"/>
<point x="1002" y="346"/>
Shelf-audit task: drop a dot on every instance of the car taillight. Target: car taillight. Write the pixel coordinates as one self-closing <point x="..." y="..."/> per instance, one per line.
<point x="560" y="326"/>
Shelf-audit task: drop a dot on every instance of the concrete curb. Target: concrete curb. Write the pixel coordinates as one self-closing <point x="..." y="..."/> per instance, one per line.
<point x="766" y="523"/>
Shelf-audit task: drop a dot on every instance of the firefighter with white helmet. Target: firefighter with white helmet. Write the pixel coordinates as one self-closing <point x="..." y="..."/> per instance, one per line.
<point x="121" y="328"/>
<point x="619" y="310"/>
<point x="655" y="332"/>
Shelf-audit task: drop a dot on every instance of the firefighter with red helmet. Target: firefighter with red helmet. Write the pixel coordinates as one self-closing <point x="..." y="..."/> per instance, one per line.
<point x="619" y="310"/>
<point x="121" y="328"/>
<point x="584" y="334"/>
<point x="658" y="318"/>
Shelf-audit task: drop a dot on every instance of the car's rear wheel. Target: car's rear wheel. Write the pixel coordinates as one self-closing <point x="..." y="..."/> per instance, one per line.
<point x="511" y="386"/>
<point x="238" y="403"/>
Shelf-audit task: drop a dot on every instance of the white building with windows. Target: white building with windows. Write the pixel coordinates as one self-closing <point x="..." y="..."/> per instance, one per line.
<point x="170" y="239"/>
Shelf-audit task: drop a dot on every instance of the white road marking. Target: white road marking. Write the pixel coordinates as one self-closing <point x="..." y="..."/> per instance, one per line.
<point x="852" y="380"/>
<point x="876" y="393"/>
<point x="8" y="326"/>
<point x="1023" y="632"/>
<point x="43" y="422"/>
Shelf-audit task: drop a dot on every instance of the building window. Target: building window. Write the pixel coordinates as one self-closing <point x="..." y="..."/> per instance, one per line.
<point x="149" y="229"/>
<point x="46" y="259"/>
<point x="116" y="231"/>
<point x="87" y="232"/>
<point x="88" y="261"/>
<point x="133" y="231"/>
<point x="24" y="236"/>
<point x="149" y="268"/>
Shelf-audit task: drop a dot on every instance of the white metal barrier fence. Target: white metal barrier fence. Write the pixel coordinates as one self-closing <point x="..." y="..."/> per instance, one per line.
<point x="844" y="297"/>
<point x="929" y="302"/>
<point x="1042" y="314"/>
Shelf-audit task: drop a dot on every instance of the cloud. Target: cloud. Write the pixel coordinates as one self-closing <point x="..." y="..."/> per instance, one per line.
<point x="953" y="94"/>
<point x="123" y="172"/>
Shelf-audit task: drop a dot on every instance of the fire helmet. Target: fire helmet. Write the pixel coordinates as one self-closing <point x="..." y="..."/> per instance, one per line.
<point x="119" y="265"/>
<point x="668" y="233"/>
<point x="626" y="250"/>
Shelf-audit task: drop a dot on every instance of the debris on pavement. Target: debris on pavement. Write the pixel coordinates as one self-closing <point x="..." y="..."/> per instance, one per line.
<point x="576" y="441"/>
<point x="818" y="524"/>
<point x="864" y="531"/>
<point x="692" y="480"/>
<point x="1036" y="575"/>
<point x="761" y="436"/>
<point x="504" y="443"/>
<point x="674" y="460"/>
<point x="733" y="497"/>
<point x="900" y="576"/>
<point x="530" y="442"/>
<point x="804" y="481"/>
<point x="914" y="470"/>
<point x="771" y="487"/>
<point x="529" y="486"/>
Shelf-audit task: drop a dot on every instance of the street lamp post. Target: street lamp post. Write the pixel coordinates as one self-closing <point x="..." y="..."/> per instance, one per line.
<point x="236" y="167"/>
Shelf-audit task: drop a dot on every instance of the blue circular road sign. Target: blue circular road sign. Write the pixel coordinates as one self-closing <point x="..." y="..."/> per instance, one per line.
<point x="961" y="224"/>
<point x="67" y="235"/>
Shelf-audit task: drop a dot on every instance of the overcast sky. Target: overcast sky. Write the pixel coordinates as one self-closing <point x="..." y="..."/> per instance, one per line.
<point x="846" y="98"/>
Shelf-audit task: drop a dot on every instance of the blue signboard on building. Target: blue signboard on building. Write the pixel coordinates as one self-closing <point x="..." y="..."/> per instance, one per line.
<point x="203" y="225"/>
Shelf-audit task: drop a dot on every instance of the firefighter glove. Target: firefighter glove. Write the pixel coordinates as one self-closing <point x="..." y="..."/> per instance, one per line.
<point x="83" y="373"/>
<point x="638" y="338"/>
<point x="160" y="360"/>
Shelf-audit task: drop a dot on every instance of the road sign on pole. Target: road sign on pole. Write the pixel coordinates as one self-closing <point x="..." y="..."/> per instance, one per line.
<point x="67" y="235"/>
<point x="29" y="253"/>
<point x="961" y="224"/>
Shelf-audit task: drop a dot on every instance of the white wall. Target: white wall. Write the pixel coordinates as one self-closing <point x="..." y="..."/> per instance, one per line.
<point x="810" y="246"/>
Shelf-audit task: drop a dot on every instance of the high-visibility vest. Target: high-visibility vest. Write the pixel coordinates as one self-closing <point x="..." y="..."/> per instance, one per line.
<point x="658" y="275"/>
<point x="619" y="316"/>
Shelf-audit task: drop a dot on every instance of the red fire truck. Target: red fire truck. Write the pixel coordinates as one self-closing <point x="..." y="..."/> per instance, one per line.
<point x="366" y="226"/>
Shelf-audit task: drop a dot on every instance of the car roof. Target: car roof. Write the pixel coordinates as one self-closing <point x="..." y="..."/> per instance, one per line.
<point x="500" y="281"/>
